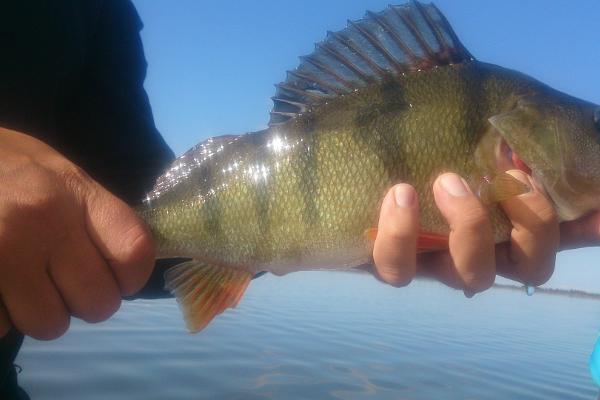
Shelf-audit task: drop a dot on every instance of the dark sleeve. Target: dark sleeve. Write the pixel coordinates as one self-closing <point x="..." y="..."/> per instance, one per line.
<point x="105" y="119"/>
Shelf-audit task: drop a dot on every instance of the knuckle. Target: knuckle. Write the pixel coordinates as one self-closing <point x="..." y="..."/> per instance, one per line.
<point x="397" y="280"/>
<point x="478" y="282"/>
<point x="540" y="274"/>
<point x="473" y="218"/>
<point x="392" y="274"/>
<point x="138" y="246"/>
<point x="102" y="310"/>
<point x="37" y="204"/>
<point x="398" y="231"/>
<point x="539" y="279"/>
<point x="397" y="273"/>
<point x="36" y="194"/>
<point x="72" y="177"/>
<point x="38" y="211"/>
<point x="137" y="256"/>
<point x="398" y="235"/>
<point x="49" y="328"/>
<point x="22" y="160"/>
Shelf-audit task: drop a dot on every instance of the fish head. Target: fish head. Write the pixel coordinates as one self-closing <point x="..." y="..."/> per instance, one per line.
<point x="558" y="138"/>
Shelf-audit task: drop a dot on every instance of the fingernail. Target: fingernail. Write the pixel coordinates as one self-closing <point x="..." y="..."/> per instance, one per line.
<point x="523" y="178"/>
<point x="454" y="185"/>
<point x="404" y="195"/>
<point x="469" y="293"/>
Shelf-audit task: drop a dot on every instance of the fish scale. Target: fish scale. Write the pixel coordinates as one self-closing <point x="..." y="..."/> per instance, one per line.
<point x="393" y="98"/>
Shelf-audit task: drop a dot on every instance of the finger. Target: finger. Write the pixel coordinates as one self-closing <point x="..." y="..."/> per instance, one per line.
<point x="122" y="239"/>
<point x="35" y="306"/>
<point x="534" y="238"/>
<point x="84" y="280"/>
<point x="471" y="240"/>
<point x="440" y="267"/>
<point x="5" y="324"/>
<point x="583" y="232"/>
<point x="395" y="248"/>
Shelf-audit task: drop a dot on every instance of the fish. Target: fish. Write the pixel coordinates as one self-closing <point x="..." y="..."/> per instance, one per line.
<point x="393" y="97"/>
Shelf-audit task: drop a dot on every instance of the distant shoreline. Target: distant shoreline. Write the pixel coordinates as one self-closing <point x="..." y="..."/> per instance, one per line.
<point x="556" y="292"/>
<point x="580" y="294"/>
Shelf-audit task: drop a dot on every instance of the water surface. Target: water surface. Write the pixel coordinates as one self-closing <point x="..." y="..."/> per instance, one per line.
<point x="329" y="335"/>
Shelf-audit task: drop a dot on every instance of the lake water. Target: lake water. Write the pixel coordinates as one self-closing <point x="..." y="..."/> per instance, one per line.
<point x="329" y="335"/>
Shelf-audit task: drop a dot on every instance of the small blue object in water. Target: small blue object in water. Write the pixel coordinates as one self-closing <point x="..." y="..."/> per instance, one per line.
<point x="530" y="290"/>
<point x="595" y="363"/>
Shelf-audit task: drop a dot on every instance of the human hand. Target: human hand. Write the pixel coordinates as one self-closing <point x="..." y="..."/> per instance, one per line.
<point x="583" y="232"/>
<point x="67" y="246"/>
<point x="472" y="261"/>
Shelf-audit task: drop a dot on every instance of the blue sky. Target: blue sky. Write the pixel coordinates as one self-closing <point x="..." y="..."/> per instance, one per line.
<point x="212" y="64"/>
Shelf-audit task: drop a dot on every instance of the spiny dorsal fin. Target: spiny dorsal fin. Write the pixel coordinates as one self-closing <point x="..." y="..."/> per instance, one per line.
<point x="399" y="40"/>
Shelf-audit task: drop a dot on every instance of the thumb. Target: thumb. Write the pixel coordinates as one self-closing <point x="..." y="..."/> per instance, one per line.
<point x="121" y="237"/>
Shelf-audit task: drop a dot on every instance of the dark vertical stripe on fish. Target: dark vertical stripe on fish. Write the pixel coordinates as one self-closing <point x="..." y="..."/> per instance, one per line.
<point x="211" y="208"/>
<point x="307" y="184"/>
<point x="375" y="133"/>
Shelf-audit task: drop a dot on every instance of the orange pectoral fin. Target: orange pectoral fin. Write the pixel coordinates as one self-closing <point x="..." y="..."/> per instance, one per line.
<point x="429" y="242"/>
<point x="371" y="234"/>
<point x="426" y="242"/>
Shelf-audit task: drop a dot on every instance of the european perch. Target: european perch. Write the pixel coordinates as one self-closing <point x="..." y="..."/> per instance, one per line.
<point x="394" y="97"/>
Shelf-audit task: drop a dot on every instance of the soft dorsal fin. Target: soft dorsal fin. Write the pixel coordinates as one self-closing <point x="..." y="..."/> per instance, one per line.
<point x="396" y="41"/>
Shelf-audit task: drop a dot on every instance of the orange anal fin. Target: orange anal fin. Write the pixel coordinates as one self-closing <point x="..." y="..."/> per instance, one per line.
<point x="204" y="290"/>
<point x="429" y="242"/>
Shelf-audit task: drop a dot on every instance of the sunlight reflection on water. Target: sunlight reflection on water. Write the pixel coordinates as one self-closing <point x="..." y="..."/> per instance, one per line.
<point x="329" y="336"/>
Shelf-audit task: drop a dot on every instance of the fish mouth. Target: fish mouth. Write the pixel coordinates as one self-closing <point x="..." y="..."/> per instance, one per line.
<point x="508" y="159"/>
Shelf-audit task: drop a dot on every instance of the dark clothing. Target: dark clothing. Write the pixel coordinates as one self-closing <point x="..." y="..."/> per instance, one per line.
<point x="9" y="347"/>
<point x="71" y="74"/>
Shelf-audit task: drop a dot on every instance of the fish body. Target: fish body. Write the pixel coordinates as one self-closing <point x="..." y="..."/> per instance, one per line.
<point x="393" y="98"/>
<point x="301" y="194"/>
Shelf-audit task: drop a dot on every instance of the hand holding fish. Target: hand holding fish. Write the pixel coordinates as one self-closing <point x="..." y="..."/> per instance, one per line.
<point x="67" y="246"/>
<point x="473" y="259"/>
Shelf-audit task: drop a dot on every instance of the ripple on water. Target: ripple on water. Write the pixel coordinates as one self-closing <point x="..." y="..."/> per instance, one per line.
<point x="328" y="336"/>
